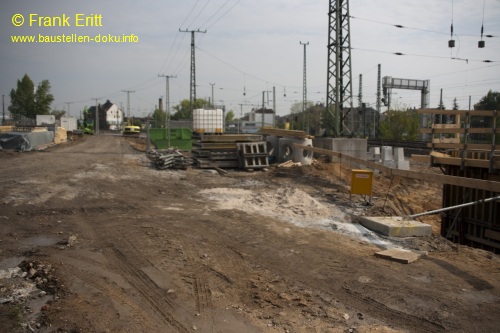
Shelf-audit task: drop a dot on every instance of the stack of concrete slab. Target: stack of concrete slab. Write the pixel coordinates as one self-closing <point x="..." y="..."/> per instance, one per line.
<point x="219" y="150"/>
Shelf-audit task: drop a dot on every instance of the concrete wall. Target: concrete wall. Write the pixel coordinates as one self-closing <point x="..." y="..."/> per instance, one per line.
<point x="348" y="146"/>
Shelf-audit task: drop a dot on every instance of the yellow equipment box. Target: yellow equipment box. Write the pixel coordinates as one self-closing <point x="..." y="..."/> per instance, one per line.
<point x="361" y="182"/>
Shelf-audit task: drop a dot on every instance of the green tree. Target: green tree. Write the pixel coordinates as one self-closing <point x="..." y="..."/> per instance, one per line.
<point x="25" y="101"/>
<point x="43" y="98"/>
<point x="400" y="125"/>
<point x="183" y="110"/>
<point x="489" y="102"/>
<point x="300" y="119"/>
<point x="229" y="116"/>
<point x="159" y="117"/>
<point x="314" y="117"/>
<point x="58" y="113"/>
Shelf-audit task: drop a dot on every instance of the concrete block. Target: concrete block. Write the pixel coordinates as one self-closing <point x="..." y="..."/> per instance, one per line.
<point x="374" y="150"/>
<point x="374" y="154"/>
<point x="399" y="154"/>
<point x="390" y="164"/>
<point x="403" y="165"/>
<point x="394" y="226"/>
<point x="347" y="146"/>
<point x="401" y="256"/>
<point x="387" y="153"/>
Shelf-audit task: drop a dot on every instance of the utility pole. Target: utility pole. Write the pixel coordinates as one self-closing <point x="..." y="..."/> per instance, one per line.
<point x="263" y="101"/>
<point x="274" y="106"/>
<point x="96" y="120"/>
<point x="304" y="87"/>
<point x="167" y="103"/>
<point x="379" y="97"/>
<point x="192" y="86"/>
<point x="360" y="93"/>
<point x="3" y="109"/>
<point x="68" y="103"/>
<point x="360" y="103"/>
<point x="339" y="78"/>
<point x="241" y="116"/>
<point x="213" y="101"/>
<point x="128" y="102"/>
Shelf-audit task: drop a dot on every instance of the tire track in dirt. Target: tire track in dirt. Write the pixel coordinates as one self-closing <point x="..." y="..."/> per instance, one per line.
<point x="128" y="266"/>
<point x="257" y="245"/>
<point x="198" y="280"/>
<point x="142" y="319"/>
<point x="146" y="287"/>
<point x="381" y="310"/>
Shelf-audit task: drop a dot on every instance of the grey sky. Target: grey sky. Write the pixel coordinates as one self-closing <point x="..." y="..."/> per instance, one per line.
<point x="250" y="46"/>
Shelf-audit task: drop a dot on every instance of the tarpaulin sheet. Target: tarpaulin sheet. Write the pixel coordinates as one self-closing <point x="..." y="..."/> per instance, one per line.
<point x="25" y="141"/>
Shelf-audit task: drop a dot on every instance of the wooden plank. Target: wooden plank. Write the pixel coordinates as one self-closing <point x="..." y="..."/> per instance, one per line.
<point x="460" y="146"/>
<point x="484" y="113"/>
<point x="215" y="145"/>
<point x="227" y="137"/>
<point x="438" y="154"/>
<point x="220" y="171"/>
<point x="421" y="158"/>
<point x="458" y="130"/>
<point x="285" y="133"/>
<point x="492" y="234"/>
<point x="446" y="126"/>
<point x="486" y="185"/>
<point x="446" y="140"/>
<point x="467" y="162"/>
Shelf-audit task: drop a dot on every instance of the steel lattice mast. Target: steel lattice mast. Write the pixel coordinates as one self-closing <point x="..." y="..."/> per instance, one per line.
<point x="192" y="86"/>
<point x="304" y="89"/>
<point x="339" y="80"/>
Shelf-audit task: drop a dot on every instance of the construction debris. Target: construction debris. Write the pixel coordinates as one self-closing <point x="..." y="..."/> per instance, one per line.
<point x="253" y="155"/>
<point x="399" y="255"/>
<point x="171" y="158"/>
<point x="289" y="164"/>
<point x="221" y="151"/>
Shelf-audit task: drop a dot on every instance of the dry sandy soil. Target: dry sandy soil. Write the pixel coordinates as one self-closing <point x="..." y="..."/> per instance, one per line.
<point x="94" y="240"/>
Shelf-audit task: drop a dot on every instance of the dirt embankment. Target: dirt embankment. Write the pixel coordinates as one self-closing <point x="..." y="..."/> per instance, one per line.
<point x="117" y="246"/>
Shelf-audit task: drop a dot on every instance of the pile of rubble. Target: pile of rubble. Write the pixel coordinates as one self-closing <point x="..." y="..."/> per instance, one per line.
<point x="28" y="290"/>
<point x="170" y="158"/>
<point x="22" y="281"/>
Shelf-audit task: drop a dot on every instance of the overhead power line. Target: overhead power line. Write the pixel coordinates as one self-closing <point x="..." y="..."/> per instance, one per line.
<point x="241" y="71"/>
<point x="425" y="55"/>
<point x="400" y="26"/>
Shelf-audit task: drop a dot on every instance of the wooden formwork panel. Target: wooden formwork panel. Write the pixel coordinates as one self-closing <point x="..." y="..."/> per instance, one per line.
<point x="476" y="225"/>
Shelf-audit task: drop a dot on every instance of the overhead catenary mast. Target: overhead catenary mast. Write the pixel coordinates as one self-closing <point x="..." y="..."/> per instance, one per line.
<point x="339" y="79"/>
<point x="304" y="88"/>
<point x="192" y="86"/>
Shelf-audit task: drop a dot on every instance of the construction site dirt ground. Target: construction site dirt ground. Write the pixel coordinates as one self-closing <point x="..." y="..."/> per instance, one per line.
<point x="106" y="243"/>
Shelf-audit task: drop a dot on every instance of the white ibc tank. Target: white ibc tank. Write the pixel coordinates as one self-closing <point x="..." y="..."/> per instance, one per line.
<point x="208" y="121"/>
